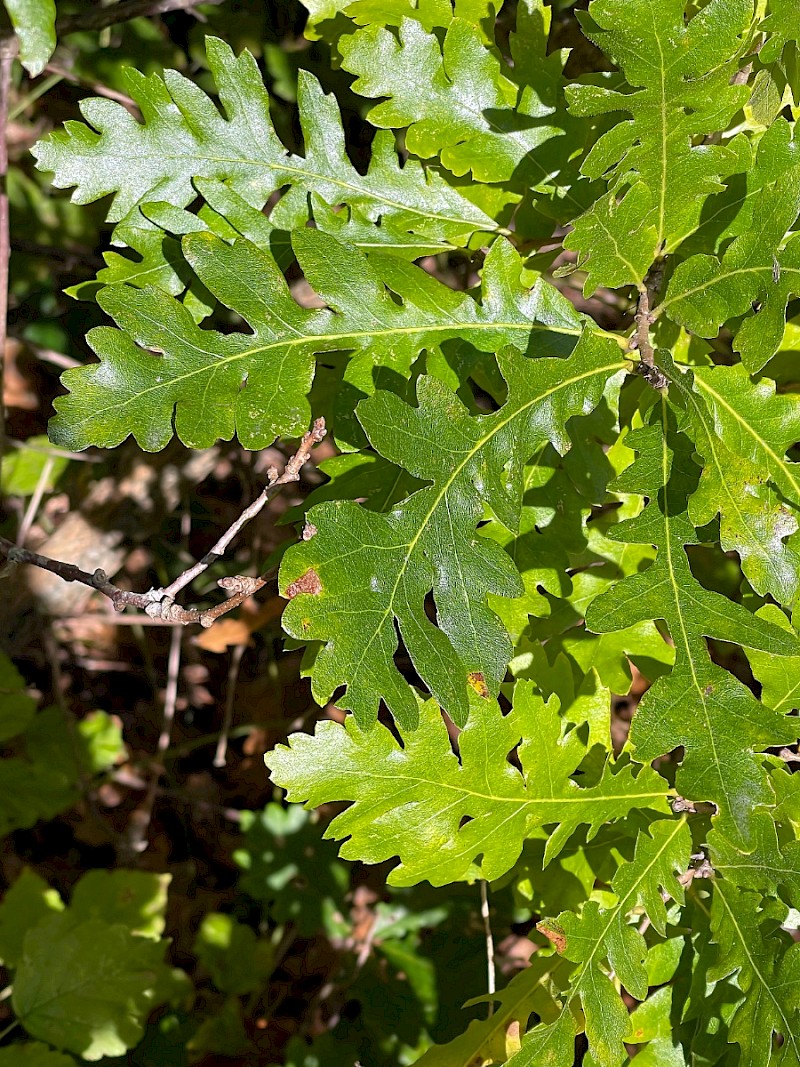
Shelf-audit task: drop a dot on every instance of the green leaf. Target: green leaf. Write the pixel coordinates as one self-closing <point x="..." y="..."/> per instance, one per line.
<point x="160" y="367"/>
<point x="678" y="89"/>
<point x="183" y="137"/>
<point x="371" y="573"/>
<point x="58" y="754"/>
<point x="450" y="818"/>
<point x="25" y="904"/>
<point x="33" y="1054"/>
<point x="495" y="1039"/>
<point x="429" y="13"/>
<point x="288" y="867"/>
<point x="782" y="25"/>
<point x="767" y="967"/>
<point x="604" y="937"/>
<point x="31" y="464"/>
<point x="75" y="749"/>
<point x="456" y="98"/>
<point x="34" y="23"/>
<point x="743" y="433"/>
<point x="29" y="792"/>
<point x="698" y="700"/>
<point x="86" y="987"/>
<point x="779" y="676"/>
<point x="17" y="709"/>
<point x="757" y="267"/>
<point x="222" y="1032"/>
<point x="652" y="1022"/>
<point x="772" y="867"/>
<point x="237" y="960"/>
<point x="134" y="899"/>
<point x="623" y="245"/>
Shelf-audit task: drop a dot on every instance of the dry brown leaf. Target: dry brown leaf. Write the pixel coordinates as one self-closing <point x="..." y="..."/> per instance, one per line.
<point x="228" y="632"/>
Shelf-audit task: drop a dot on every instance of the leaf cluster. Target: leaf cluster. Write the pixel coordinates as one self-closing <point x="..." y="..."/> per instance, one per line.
<point x="538" y="505"/>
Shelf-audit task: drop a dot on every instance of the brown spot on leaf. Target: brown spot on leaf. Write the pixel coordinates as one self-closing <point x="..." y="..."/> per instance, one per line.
<point x="709" y="689"/>
<point x="306" y="583"/>
<point x="478" y="683"/>
<point x="553" y="932"/>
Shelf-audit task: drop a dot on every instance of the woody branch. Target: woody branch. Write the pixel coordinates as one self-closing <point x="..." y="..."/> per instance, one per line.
<point x="160" y="603"/>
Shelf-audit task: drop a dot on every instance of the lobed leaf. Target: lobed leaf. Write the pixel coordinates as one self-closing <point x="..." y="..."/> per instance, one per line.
<point x="742" y="431"/>
<point x="457" y="99"/>
<point x="604" y="937"/>
<point x="496" y="1039"/>
<point x="449" y="818"/>
<point x="87" y="987"/>
<point x="183" y="137"/>
<point x="160" y="366"/>
<point x="771" y="867"/>
<point x="698" y="700"/>
<point x="372" y="572"/>
<point x="767" y="968"/>
<point x="756" y="268"/>
<point x="678" y="90"/>
<point x="34" y="23"/>
<point x="779" y="676"/>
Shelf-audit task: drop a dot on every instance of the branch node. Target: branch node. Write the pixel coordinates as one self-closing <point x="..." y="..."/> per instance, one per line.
<point x="160" y="603"/>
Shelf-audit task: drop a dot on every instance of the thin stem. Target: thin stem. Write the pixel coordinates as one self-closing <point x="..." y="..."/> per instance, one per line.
<point x="290" y="474"/>
<point x="33" y="506"/>
<point x="8" y="49"/>
<point x="171" y="692"/>
<point x="220" y="756"/>
<point x="491" y="982"/>
<point x="44" y="86"/>
<point x="11" y="1026"/>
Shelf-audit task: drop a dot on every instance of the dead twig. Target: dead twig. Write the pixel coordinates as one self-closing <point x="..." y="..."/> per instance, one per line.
<point x="160" y="603"/>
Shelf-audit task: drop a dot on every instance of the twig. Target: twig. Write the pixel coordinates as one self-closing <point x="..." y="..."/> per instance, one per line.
<point x="96" y="87"/>
<point x="220" y="756"/>
<point x="33" y="505"/>
<point x="171" y="692"/>
<point x="291" y="473"/>
<point x="8" y="49"/>
<point x="159" y="603"/>
<point x="11" y="1026"/>
<point x="58" y="359"/>
<point x="641" y="335"/>
<point x="644" y="319"/>
<point x="137" y="836"/>
<point x="491" y="983"/>
<point x="99" y="18"/>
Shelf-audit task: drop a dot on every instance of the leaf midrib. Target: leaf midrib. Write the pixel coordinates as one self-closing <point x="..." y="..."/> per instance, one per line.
<point x="676" y="594"/>
<point x="619" y="909"/>
<point x="738" y="272"/>
<point x="788" y="1034"/>
<point x="312" y="339"/>
<point x="499" y="425"/>
<point x="778" y="460"/>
